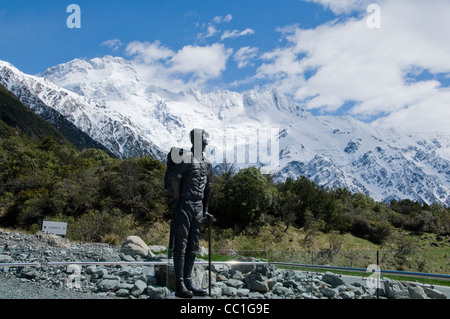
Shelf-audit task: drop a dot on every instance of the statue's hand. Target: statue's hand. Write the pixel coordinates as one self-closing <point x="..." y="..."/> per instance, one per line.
<point x="208" y="218"/>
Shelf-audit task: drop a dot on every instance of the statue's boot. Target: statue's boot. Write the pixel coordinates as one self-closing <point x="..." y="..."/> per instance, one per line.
<point x="188" y="266"/>
<point x="180" y="288"/>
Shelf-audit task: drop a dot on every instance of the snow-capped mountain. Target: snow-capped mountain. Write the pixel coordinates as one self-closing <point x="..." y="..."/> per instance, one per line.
<point x="105" y="126"/>
<point x="106" y="98"/>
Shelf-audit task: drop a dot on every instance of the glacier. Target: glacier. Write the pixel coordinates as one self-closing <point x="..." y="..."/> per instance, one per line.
<point x="107" y="99"/>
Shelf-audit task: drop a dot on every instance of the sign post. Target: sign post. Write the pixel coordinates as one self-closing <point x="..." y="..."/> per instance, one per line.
<point x="57" y="228"/>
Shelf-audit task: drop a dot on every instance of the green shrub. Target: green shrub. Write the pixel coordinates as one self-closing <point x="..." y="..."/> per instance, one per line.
<point x="94" y="226"/>
<point x="377" y="232"/>
<point x="424" y="222"/>
<point x="249" y="197"/>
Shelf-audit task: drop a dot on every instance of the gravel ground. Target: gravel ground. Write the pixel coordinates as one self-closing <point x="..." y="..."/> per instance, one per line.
<point x="12" y="287"/>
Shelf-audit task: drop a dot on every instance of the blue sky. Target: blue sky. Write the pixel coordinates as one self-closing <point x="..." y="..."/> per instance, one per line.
<point x="324" y="54"/>
<point x="34" y="34"/>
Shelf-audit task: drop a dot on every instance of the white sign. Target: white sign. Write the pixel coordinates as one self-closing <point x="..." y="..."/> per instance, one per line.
<point x="58" y="228"/>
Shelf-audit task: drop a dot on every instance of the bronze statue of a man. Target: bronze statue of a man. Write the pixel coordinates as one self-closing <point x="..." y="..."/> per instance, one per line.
<point x="191" y="181"/>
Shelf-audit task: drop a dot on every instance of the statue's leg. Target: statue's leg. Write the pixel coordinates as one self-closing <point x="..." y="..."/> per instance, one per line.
<point x="181" y="229"/>
<point x="192" y="248"/>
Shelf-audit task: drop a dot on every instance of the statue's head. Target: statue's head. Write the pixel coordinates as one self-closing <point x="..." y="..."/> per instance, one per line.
<point x="199" y="138"/>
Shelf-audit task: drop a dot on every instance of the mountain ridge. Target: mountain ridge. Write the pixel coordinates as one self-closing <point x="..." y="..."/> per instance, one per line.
<point x="87" y="115"/>
<point x="49" y="124"/>
<point x="110" y="98"/>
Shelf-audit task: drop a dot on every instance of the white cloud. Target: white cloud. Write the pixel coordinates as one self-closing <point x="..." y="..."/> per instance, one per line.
<point x="204" y="62"/>
<point x="113" y="44"/>
<point x="211" y="27"/>
<point x="211" y="31"/>
<point x="346" y="61"/>
<point x="149" y="52"/>
<point x="343" y="6"/>
<point x="191" y="66"/>
<point x="226" y="19"/>
<point x="235" y="33"/>
<point x="429" y="115"/>
<point x="245" y="55"/>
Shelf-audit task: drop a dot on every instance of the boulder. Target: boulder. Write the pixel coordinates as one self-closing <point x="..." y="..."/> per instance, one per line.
<point x="255" y="295"/>
<point x="157" y="292"/>
<point x="108" y="284"/>
<point x="257" y="282"/>
<point x="237" y="275"/>
<point x="5" y="259"/>
<point x="243" y="292"/>
<point x="333" y="280"/>
<point x="52" y="239"/>
<point x="202" y="251"/>
<point x="348" y="295"/>
<point x="396" y="289"/>
<point x="434" y="294"/>
<point x="416" y="291"/>
<point x="409" y="290"/>
<point x="205" y="279"/>
<point x="281" y="290"/>
<point x="329" y="292"/>
<point x="235" y="283"/>
<point x="138" y="288"/>
<point x="122" y="292"/>
<point x="229" y="291"/>
<point x="198" y="276"/>
<point x="135" y="246"/>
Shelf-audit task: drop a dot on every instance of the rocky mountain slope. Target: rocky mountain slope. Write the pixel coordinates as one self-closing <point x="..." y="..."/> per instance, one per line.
<point x="14" y="114"/>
